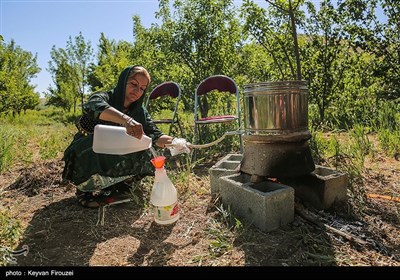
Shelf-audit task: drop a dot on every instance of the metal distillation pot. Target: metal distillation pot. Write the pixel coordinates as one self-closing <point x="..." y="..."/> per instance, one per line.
<point x="276" y="129"/>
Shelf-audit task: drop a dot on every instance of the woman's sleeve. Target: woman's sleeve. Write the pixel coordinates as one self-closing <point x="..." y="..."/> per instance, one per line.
<point x="96" y="104"/>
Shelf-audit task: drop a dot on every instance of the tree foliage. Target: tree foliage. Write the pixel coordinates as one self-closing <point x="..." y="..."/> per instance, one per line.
<point x="325" y="55"/>
<point x="17" y="68"/>
<point x="275" y="28"/>
<point x="203" y="38"/>
<point x="112" y="58"/>
<point x="348" y="56"/>
<point x="70" y="70"/>
<point x="380" y="38"/>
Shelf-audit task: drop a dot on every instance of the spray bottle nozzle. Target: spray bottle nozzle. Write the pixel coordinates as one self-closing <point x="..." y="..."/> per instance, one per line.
<point x="158" y="162"/>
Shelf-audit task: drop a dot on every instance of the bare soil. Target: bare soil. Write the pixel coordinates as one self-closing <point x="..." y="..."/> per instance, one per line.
<point x="59" y="232"/>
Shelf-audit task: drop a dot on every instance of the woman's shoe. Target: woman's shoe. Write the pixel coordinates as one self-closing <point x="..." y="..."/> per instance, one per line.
<point x="113" y="195"/>
<point x="88" y="200"/>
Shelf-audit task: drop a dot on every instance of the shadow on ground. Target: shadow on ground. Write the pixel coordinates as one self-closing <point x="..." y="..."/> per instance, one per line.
<point x="65" y="234"/>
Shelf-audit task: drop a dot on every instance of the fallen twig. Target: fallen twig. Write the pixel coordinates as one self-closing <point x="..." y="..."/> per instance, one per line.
<point x="373" y="195"/>
<point x="315" y="221"/>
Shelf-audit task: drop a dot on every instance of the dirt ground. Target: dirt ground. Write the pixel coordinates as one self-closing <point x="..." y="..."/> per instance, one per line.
<point x="59" y="232"/>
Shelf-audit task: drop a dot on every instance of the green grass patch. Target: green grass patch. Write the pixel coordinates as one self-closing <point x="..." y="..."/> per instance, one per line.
<point x="10" y="231"/>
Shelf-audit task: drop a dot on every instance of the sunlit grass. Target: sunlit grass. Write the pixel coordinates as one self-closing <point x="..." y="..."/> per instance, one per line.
<point x="10" y="230"/>
<point x="44" y="135"/>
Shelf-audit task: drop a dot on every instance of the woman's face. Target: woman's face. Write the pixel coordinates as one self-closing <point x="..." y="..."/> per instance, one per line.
<point x="135" y="88"/>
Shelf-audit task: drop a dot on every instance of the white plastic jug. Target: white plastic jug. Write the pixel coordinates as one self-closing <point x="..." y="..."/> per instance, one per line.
<point x="114" y="140"/>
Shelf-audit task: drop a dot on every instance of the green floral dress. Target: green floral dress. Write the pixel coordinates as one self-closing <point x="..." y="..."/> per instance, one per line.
<point x="90" y="171"/>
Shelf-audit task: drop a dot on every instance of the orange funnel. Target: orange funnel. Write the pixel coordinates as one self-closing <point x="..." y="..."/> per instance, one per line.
<point x="158" y="162"/>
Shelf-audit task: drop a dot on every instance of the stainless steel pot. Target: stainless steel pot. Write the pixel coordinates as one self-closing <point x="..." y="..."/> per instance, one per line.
<point x="276" y="126"/>
<point x="272" y="108"/>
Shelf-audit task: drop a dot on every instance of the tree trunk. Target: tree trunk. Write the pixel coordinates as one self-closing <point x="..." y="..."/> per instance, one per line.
<point x="295" y="41"/>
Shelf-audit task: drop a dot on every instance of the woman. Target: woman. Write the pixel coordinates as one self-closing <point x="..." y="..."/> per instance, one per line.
<point x="97" y="175"/>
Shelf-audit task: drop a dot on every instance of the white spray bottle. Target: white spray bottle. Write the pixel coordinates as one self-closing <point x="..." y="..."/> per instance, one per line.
<point x="164" y="196"/>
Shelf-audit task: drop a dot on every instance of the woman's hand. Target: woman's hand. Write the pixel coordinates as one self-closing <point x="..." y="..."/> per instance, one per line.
<point x="133" y="128"/>
<point x="179" y="146"/>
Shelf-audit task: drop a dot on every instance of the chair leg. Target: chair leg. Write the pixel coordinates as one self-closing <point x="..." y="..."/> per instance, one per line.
<point x="199" y="139"/>
<point x="194" y="141"/>
<point x="180" y="128"/>
<point x="170" y="128"/>
<point x="179" y="125"/>
<point x="241" y="143"/>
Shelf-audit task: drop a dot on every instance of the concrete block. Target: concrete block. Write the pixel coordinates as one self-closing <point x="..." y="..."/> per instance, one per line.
<point x="228" y="165"/>
<point x="321" y="188"/>
<point x="265" y="204"/>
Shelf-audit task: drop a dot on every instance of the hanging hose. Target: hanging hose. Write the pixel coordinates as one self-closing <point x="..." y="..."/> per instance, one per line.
<point x="237" y="132"/>
<point x="179" y="145"/>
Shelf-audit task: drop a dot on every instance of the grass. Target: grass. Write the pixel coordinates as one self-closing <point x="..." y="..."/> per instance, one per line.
<point x="389" y="141"/>
<point x="44" y="135"/>
<point x="10" y="230"/>
<point x="7" y="142"/>
<point x="36" y="135"/>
